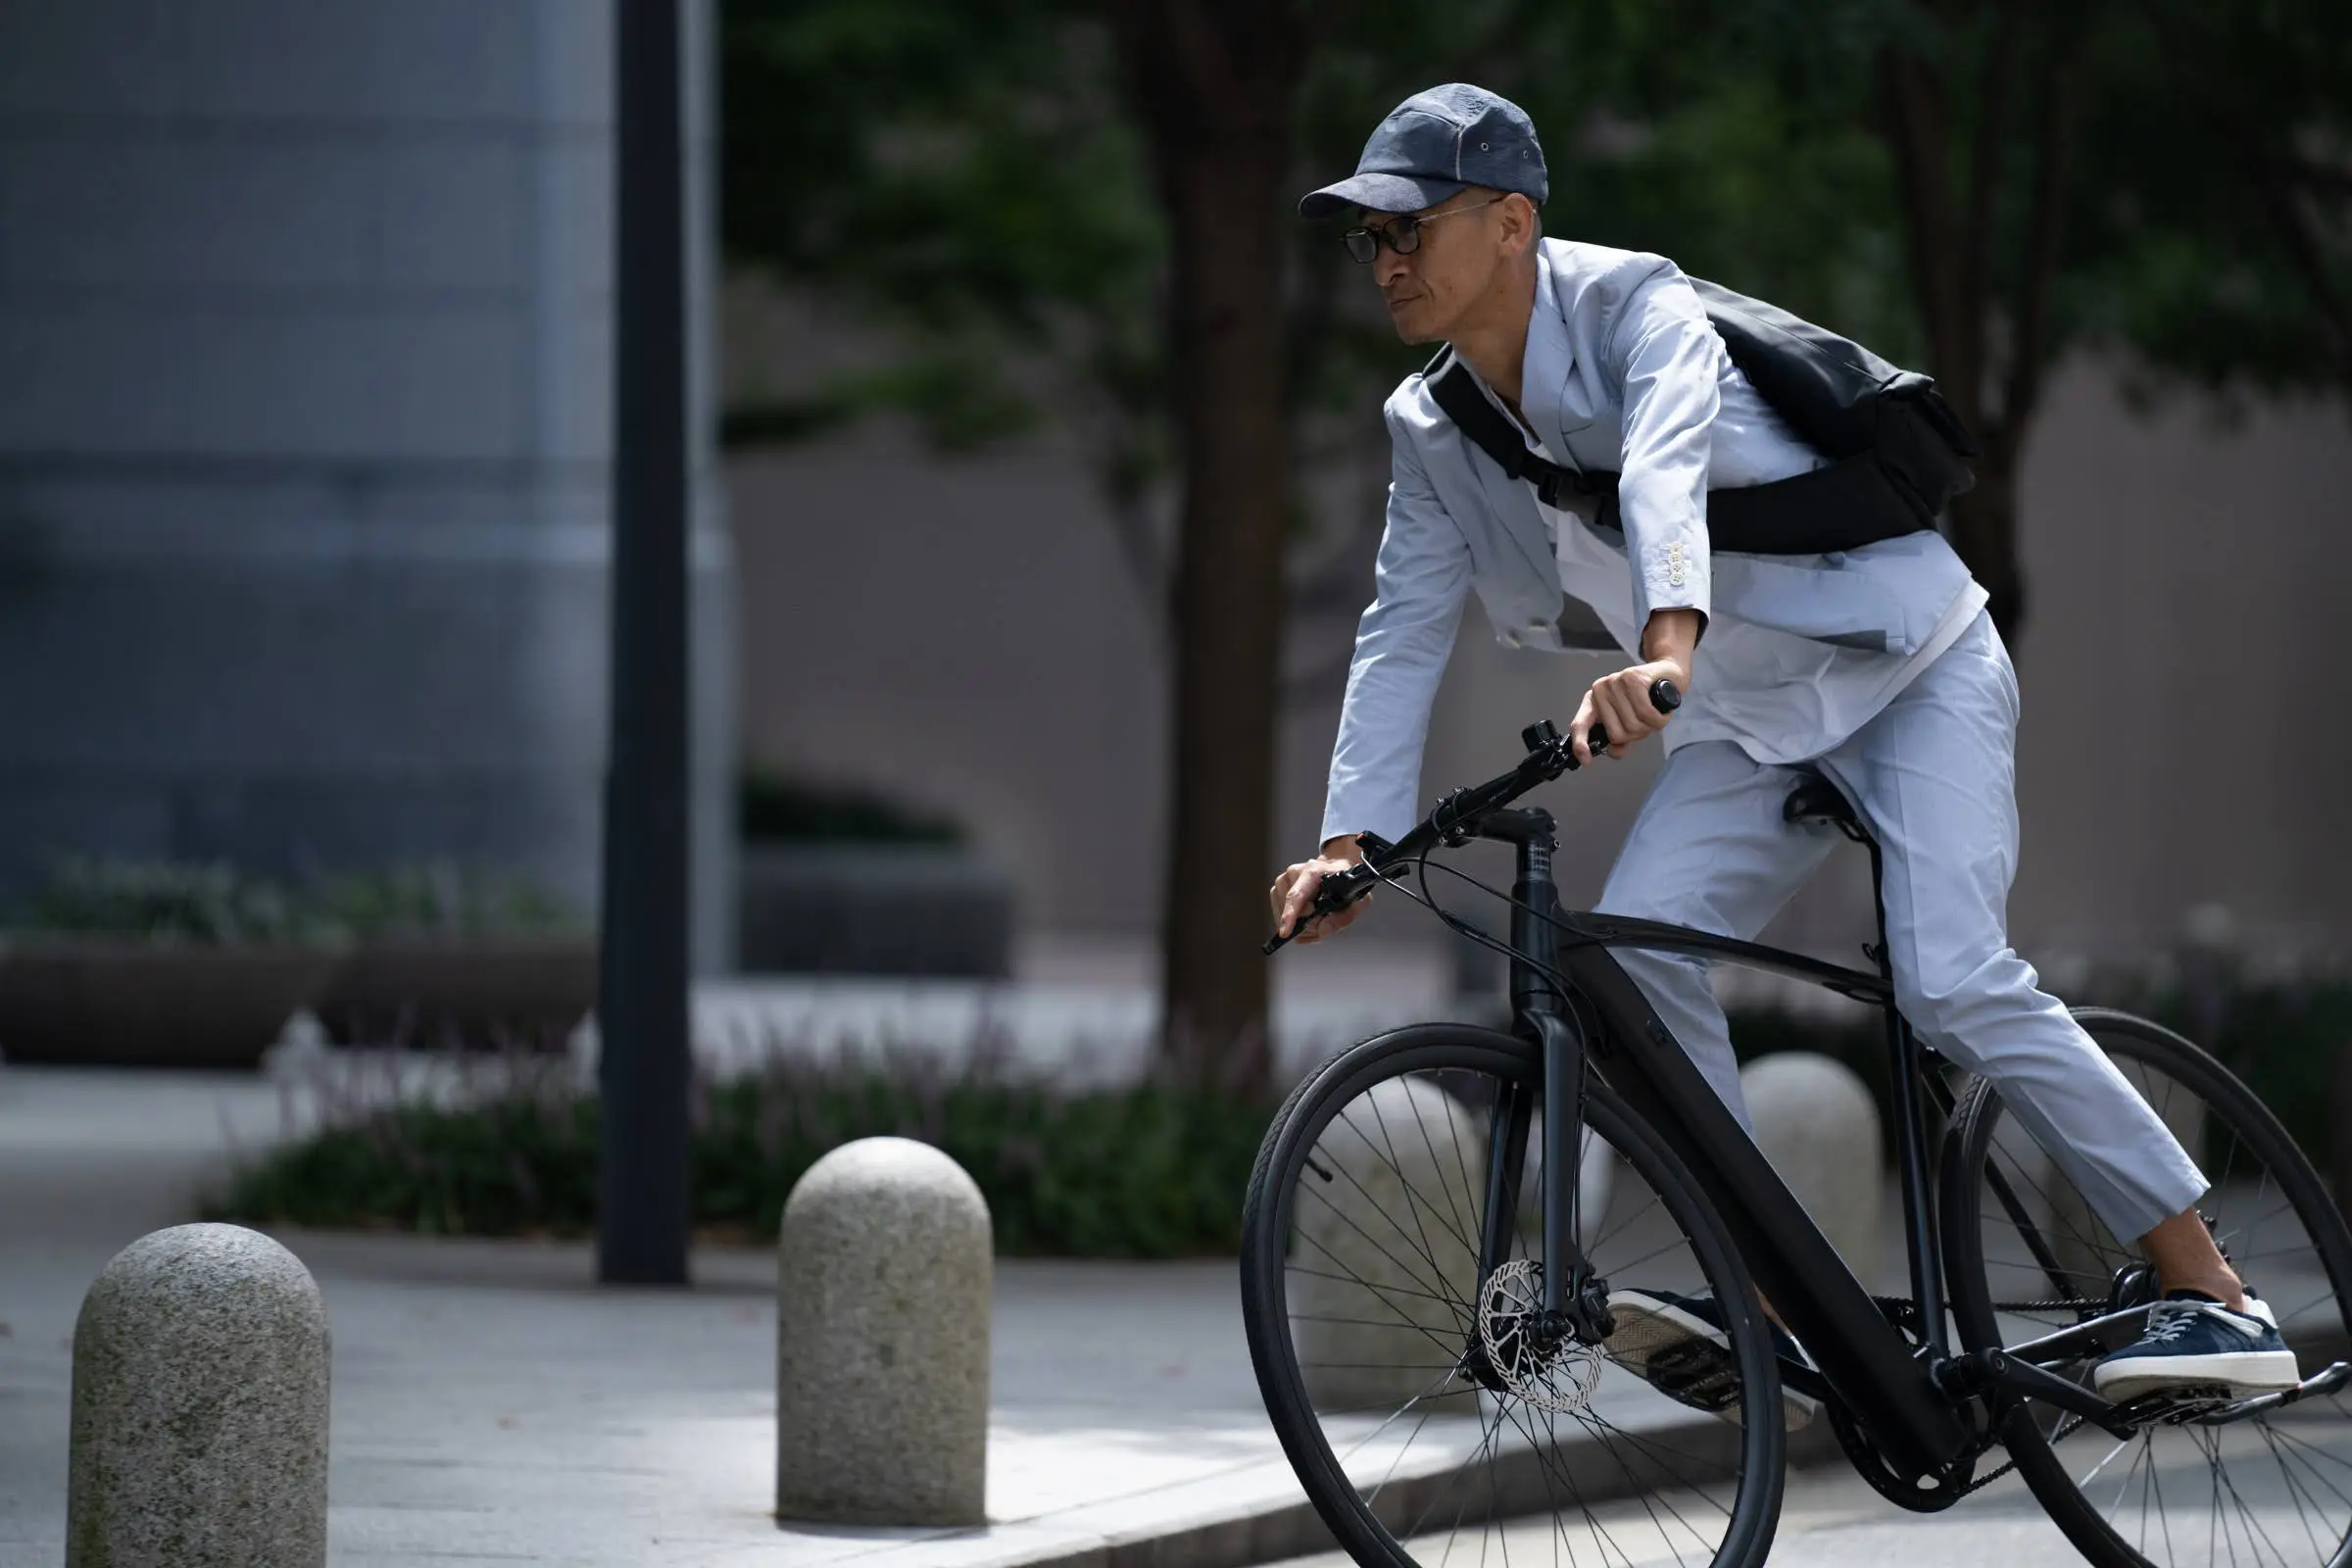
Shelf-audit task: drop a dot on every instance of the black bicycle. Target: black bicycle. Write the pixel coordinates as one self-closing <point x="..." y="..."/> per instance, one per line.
<point x="1448" y="1228"/>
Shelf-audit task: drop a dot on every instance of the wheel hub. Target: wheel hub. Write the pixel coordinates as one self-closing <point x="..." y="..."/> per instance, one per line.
<point x="1526" y="1350"/>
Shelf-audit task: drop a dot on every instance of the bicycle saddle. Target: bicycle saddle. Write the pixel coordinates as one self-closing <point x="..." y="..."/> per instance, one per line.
<point x="1819" y="801"/>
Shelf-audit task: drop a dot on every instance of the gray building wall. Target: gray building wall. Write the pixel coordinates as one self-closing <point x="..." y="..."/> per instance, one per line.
<point x="304" y="431"/>
<point x="986" y="652"/>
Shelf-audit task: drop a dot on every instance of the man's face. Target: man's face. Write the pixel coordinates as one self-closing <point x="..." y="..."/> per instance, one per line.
<point x="1451" y="269"/>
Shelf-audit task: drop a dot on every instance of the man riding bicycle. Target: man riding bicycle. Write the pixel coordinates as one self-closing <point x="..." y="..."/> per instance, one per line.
<point x="1877" y="667"/>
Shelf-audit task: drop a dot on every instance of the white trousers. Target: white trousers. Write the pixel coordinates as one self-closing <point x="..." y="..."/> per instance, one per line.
<point x="1934" y="778"/>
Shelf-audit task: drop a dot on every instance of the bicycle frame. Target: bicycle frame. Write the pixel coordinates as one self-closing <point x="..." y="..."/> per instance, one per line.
<point x="1862" y="1356"/>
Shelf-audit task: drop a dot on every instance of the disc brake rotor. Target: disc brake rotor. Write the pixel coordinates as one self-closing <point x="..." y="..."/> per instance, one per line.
<point x="1548" y="1372"/>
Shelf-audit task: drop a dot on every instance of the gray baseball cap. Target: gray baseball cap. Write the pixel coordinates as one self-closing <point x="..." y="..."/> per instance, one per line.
<point x="1434" y="145"/>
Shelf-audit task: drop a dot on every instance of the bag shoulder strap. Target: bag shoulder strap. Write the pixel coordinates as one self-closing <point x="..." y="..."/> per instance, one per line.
<point x="1492" y="431"/>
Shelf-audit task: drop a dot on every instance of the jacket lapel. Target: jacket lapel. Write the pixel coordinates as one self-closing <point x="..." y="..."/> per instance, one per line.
<point x="1545" y="364"/>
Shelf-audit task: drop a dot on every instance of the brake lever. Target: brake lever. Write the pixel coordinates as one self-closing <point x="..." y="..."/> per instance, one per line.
<point x="1364" y="874"/>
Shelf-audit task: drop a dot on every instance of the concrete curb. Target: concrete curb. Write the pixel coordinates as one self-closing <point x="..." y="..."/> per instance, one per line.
<point x="1202" y="1524"/>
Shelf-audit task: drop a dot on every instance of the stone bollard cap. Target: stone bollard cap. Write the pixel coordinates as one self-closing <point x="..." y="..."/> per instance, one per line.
<point x="181" y="1270"/>
<point x="900" y="1166"/>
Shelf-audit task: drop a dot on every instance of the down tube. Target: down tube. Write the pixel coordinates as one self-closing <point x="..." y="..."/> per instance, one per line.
<point x="1809" y="1284"/>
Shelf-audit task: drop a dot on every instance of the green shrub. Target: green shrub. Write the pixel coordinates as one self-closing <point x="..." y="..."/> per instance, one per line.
<point x="1145" y="1171"/>
<point x="215" y="903"/>
<point x="168" y="900"/>
<point x="1137" y="1172"/>
<point x="441" y="898"/>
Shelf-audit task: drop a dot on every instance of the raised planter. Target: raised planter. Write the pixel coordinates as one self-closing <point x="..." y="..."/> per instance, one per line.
<point x="874" y="908"/>
<point x="128" y="1001"/>
<point x="477" y="992"/>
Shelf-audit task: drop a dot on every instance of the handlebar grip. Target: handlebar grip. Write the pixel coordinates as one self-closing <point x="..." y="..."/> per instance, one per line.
<point x="1343" y="883"/>
<point x="1664" y="696"/>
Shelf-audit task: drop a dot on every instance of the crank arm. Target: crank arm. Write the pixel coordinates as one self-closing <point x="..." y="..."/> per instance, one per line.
<point x="2328" y="1382"/>
<point x="1986" y="1371"/>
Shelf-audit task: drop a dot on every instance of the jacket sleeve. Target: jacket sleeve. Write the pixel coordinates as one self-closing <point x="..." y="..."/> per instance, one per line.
<point x="1401" y="645"/>
<point x="1668" y="355"/>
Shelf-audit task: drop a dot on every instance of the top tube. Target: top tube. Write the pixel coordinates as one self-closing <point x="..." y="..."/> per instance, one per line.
<point x="1584" y="928"/>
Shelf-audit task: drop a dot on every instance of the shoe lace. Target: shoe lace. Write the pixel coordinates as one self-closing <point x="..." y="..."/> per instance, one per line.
<point x="2169" y="1320"/>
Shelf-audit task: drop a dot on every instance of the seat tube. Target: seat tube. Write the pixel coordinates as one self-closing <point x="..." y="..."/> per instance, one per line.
<point x="1910" y="1141"/>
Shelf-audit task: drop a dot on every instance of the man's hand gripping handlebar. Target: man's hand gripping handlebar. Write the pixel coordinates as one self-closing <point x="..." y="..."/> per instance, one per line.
<point x="1454" y="820"/>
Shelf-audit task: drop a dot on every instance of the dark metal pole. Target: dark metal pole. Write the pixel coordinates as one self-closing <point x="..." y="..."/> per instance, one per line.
<point x="641" y="1018"/>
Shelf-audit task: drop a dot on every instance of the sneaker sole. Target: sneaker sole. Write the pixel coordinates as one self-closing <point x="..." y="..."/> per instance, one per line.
<point x="1688" y="1359"/>
<point x="2243" y="1373"/>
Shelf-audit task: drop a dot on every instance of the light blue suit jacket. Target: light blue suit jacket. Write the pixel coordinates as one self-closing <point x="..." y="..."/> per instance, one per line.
<point x="1623" y="371"/>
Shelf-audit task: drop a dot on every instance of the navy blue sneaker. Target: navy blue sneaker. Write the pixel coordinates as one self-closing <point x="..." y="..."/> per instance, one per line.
<point x="1677" y="1345"/>
<point x="2193" y="1342"/>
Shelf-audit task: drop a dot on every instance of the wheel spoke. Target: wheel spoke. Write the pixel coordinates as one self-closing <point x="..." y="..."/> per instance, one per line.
<point x="2278" y="1486"/>
<point x="1373" y="1297"/>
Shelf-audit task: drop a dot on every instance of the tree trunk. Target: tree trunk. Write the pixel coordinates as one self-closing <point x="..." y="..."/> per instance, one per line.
<point x="1952" y="271"/>
<point x="1215" y="80"/>
<point x="1984" y="533"/>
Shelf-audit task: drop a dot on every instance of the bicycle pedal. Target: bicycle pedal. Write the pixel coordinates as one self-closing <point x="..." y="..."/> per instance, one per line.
<point x="2171" y="1406"/>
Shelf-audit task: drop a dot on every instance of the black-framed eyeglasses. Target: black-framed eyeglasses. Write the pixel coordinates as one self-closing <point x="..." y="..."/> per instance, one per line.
<point x="1400" y="234"/>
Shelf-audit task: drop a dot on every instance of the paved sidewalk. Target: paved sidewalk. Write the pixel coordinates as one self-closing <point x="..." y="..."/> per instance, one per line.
<point x="492" y="1405"/>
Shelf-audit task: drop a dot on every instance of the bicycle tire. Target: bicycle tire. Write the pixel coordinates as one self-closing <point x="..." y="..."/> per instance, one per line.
<point x="1972" y="1214"/>
<point x="1265" y="1268"/>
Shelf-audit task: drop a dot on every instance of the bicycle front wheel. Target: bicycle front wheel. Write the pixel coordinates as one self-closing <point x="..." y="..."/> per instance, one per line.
<point x="2028" y="1258"/>
<point x="1422" y="1419"/>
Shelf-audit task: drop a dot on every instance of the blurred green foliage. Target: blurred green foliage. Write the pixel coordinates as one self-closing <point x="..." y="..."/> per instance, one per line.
<point x="1136" y="1172"/>
<point x="212" y="903"/>
<point x="969" y="180"/>
<point x="168" y="900"/>
<point x="1139" y="1172"/>
<point x="441" y="898"/>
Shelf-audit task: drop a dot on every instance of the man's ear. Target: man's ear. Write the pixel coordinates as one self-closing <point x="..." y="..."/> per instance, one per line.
<point x="1520" y="227"/>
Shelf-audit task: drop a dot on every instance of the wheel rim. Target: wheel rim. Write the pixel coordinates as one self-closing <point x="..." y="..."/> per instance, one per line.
<point x="2274" y="1488"/>
<point x="1376" y="1308"/>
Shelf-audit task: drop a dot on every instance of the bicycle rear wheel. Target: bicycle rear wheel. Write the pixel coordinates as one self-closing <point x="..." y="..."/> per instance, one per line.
<point x="1420" y="1427"/>
<point x="2028" y="1258"/>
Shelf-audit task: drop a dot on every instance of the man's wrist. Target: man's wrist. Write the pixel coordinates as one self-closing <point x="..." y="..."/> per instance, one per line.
<point x="1672" y="635"/>
<point x="1341" y="846"/>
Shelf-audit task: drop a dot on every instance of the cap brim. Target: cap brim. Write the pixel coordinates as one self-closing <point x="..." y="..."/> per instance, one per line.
<point x="1378" y="193"/>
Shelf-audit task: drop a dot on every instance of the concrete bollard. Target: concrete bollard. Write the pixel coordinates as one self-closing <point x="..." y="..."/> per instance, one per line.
<point x="1386" y="1279"/>
<point x="1816" y="1121"/>
<point x="882" y="1310"/>
<point x="200" y="1407"/>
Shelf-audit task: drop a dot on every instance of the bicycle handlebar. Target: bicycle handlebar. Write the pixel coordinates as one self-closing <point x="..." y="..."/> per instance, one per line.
<point x="1454" y="819"/>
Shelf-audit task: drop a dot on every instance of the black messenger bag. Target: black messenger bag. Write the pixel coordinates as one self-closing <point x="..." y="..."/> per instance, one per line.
<point x="1896" y="451"/>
